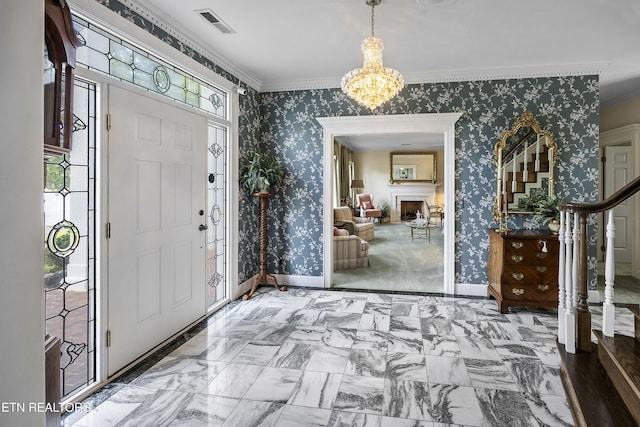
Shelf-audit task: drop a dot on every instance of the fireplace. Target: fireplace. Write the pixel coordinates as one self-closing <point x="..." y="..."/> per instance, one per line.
<point x="409" y="209"/>
<point x="423" y="193"/>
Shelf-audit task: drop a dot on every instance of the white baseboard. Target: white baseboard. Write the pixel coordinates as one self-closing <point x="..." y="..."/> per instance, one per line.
<point x="476" y="290"/>
<point x="300" y="281"/>
<point x="593" y="297"/>
<point x="284" y="279"/>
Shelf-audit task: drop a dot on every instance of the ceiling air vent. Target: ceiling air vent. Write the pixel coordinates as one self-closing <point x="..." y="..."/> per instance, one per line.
<point x="215" y="21"/>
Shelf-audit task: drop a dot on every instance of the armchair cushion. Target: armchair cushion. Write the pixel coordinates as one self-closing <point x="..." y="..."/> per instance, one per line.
<point x="360" y="227"/>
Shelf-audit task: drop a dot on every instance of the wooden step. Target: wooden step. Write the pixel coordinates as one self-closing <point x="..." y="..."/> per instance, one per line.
<point x="544" y="166"/>
<point x="590" y="393"/>
<point x="519" y="187"/>
<point x="544" y="157"/>
<point x="620" y="357"/>
<point x="636" y="321"/>
<point x="531" y="177"/>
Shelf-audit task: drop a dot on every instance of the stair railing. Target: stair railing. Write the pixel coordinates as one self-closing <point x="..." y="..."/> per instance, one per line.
<point x="574" y="318"/>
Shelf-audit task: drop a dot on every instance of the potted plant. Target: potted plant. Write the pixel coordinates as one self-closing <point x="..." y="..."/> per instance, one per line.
<point x="386" y="212"/>
<point x="261" y="171"/>
<point x="547" y="212"/>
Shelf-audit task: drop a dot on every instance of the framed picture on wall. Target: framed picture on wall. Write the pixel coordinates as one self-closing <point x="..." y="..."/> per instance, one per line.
<point x="402" y="172"/>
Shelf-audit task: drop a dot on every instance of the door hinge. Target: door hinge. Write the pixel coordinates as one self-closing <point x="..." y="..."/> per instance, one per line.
<point x="108" y="121"/>
<point x="603" y="248"/>
<point x="108" y="338"/>
<point x="603" y="159"/>
<point x="108" y="230"/>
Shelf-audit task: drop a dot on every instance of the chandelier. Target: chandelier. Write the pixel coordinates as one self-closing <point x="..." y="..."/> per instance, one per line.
<point x="373" y="84"/>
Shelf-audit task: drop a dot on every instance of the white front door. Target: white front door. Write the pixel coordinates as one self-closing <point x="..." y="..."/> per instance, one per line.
<point x="157" y="172"/>
<point x="618" y="172"/>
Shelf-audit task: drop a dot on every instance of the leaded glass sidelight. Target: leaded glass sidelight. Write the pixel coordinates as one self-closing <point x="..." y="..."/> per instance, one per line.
<point x="217" y="201"/>
<point x="69" y="245"/>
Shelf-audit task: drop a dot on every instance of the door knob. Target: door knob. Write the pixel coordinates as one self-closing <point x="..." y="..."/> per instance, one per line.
<point x="202" y="227"/>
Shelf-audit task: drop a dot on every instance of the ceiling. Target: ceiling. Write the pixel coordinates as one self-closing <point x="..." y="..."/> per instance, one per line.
<point x="304" y="44"/>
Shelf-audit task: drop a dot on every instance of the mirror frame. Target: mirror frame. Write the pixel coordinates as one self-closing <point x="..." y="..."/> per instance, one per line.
<point x="526" y="119"/>
<point x="410" y="153"/>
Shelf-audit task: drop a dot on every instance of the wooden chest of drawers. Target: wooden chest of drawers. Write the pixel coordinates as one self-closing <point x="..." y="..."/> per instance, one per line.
<point x="522" y="268"/>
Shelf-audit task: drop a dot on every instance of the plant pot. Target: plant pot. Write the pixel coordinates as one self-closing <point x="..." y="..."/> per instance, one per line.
<point x="554" y="226"/>
<point x="264" y="189"/>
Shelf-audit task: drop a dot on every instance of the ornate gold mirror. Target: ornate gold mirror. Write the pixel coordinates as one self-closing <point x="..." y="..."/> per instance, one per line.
<point x="525" y="157"/>
<point x="412" y="166"/>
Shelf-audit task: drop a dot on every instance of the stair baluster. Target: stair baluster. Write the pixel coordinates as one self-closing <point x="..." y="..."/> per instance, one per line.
<point x="608" y="309"/>
<point x="562" y="312"/>
<point x="570" y="325"/>
<point x="602" y="380"/>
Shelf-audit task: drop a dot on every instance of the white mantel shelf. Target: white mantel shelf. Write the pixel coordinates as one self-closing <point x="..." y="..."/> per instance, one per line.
<point x="405" y="192"/>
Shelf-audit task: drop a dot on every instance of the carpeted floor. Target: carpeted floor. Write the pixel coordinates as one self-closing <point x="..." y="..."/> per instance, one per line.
<point x="398" y="264"/>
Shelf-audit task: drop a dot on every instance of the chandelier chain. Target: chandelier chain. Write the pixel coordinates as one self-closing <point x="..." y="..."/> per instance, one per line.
<point x="373" y="34"/>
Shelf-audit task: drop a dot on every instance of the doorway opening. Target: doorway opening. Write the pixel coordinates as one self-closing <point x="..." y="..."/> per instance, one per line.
<point x="443" y="123"/>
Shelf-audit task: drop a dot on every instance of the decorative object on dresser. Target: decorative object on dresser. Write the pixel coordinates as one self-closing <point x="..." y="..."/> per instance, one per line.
<point x="522" y="268"/>
<point x="547" y="212"/>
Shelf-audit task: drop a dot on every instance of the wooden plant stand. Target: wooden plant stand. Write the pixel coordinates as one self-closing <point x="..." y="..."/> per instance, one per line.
<point x="263" y="276"/>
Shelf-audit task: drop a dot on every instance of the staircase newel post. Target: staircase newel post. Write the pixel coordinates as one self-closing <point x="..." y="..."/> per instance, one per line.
<point x="562" y="312"/>
<point x="608" y="309"/>
<point x="583" y="314"/>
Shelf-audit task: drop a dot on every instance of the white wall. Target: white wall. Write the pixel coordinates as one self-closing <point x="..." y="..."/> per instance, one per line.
<point x="21" y="221"/>
<point x="373" y="168"/>
<point x="622" y="114"/>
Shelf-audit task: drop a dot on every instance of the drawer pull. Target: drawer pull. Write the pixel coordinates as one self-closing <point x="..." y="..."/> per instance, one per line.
<point x="517" y="245"/>
<point x="541" y="269"/>
<point x="517" y="276"/>
<point x="517" y="291"/>
<point x="543" y="243"/>
<point x="495" y="252"/>
<point x="541" y="255"/>
<point x="517" y="258"/>
<point x="543" y="287"/>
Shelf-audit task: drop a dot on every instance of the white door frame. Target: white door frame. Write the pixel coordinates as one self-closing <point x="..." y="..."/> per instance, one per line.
<point x="618" y="136"/>
<point x="401" y="123"/>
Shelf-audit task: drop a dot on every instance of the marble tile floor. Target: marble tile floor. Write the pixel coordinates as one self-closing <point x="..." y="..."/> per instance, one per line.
<point x="311" y="357"/>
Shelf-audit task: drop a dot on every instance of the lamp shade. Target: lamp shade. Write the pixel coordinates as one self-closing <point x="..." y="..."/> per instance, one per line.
<point x="357" y="183"/>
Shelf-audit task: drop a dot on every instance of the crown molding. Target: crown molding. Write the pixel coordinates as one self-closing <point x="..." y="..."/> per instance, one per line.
<point x="147" y="11"/>
<point x="455" y="76"/>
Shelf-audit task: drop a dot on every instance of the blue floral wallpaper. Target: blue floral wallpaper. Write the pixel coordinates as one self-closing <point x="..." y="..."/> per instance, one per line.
<point x="566" y="106"/>
<point x="284" y="124"/>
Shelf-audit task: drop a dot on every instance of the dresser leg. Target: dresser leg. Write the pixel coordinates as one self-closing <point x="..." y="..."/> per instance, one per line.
<point x="503" y="308"/>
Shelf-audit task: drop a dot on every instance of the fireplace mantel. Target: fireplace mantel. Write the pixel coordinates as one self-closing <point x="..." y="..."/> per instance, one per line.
<point x="410" y="192"/>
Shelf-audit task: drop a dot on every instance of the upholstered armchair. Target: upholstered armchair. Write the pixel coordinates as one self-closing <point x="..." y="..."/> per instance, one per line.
<point x="361" y="227"/>
<point x="367" y="209"/>
<point x="349" y="251"/>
